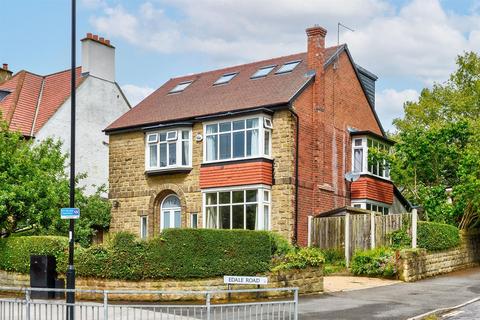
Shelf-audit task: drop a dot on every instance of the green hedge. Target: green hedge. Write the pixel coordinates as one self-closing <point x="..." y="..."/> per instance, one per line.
<point x="376" y="262"/>
<point x="15" y="251"/>
<point x="300" y="258"/>
<point x="437" y="236"/>
<point x="177" y="253"/>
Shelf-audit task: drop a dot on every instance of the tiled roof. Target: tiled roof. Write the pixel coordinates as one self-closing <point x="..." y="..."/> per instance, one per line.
<point x="33" y="99"/>
<point x="202" y="98"/>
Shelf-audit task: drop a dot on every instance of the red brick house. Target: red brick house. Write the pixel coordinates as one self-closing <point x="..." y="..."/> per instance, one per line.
<point x="262" y="145"/>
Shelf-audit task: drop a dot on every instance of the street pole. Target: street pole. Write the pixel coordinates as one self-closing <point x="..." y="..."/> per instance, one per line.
<point x="71" y="242"/>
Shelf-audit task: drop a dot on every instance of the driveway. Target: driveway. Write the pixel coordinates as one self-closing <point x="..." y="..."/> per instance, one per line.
<point x="397" y="301"/>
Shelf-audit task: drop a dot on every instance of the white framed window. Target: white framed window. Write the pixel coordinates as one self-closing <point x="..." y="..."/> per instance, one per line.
<point x="371" y="205"/>
<point x="171" y="213"/>
<point x="360" y="147"/>
<point x="143" y="227"/>
<point x="194" y="220"/>
<point x="168" y="149"/>
<point x="239" y="138"/>
<point x="237" y="208"/>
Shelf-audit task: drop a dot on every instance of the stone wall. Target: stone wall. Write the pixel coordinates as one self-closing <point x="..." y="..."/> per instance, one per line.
<point x="419" y="264"/>
<point x="309" y="281"/>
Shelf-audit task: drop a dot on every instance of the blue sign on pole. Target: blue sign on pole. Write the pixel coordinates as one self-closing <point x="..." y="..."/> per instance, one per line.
<point x="70" y="213"/>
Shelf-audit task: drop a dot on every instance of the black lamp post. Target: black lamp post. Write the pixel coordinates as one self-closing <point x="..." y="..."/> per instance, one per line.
<point x="71" y="247"/>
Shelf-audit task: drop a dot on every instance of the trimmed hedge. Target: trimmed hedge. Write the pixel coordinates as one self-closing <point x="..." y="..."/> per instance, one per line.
<point x="376" y="262"/>
<point x="15" y="252"/>
<point x="437" y="236"/>
<point x="177" y="253"/>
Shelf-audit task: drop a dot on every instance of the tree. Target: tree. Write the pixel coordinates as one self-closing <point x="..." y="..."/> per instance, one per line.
<point x="436" y="159"/>
<point x="34" y="186"/>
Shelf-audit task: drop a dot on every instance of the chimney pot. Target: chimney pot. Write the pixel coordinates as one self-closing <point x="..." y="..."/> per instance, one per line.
<point x="89" y="35"/>
<point x="101" y="39"/>
<point x="95" y="37"/>
<point x="5" y="66"/>
<point x="107" y="41"/>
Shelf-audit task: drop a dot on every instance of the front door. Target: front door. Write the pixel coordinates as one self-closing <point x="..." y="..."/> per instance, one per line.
<point x="171" y="213"/>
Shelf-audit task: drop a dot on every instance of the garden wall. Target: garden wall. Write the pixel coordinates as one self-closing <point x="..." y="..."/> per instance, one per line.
<point x="309" y="281"/>
<point x="418" y="264"/>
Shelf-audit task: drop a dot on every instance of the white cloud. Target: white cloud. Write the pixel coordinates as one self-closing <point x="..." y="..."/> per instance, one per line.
<point x="419" y="39"/>
<point x="415" y="42"/>
<point x="389" y="104"/>
<point x="135" y="94"/>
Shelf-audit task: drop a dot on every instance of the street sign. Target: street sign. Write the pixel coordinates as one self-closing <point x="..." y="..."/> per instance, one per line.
<point x="70" y="213"/>
<point x="245" y="280"/>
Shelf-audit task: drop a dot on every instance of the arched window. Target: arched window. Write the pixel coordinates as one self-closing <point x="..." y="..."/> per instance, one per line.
<point x="171" y="213"/>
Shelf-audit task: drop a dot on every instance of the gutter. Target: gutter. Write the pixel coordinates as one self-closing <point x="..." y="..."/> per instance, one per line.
<point x="297" y="153"/>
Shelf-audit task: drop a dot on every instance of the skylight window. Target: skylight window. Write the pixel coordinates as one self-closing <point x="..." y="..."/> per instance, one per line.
<point x="181" y="86"/>
<point x="262" y="72"/>
<point x="288" y="67"/>
<point x="225" y="78"/>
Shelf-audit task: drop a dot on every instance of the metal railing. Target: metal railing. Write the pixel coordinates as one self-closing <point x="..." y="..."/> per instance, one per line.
<point x="264" y="304"/>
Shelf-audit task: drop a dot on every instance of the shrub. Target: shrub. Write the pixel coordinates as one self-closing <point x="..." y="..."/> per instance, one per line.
<point x="376" y="262"/>
<point x="179" y="253"/>
<point x="437" y="236"/>
<point x="300" y="259"/>
<point x="334" y="256"/>
<point x="280" y="245"/>
<point x="400" y="239"/>
<point x="15" y="252"/>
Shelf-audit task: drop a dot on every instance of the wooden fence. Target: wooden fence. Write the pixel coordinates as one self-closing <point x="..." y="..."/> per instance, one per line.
<point x="352" y="232"/>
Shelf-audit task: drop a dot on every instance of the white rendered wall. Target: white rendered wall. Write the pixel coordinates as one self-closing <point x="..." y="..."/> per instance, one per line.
<point x="99" y="103"/>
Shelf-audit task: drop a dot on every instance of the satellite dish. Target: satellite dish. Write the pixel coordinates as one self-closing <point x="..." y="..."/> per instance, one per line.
<point x="352" y="176"/>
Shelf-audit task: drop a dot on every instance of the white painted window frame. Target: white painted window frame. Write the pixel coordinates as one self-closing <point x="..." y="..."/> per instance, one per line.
<point x="143" y="221"/>
<point x="363" y="204"/>
<point x="261" y="137"/>
<point x="178" y="141"/>
<point x="365" y="166"/>
<point x="171" y="212"/>
<point x="260" y="204"/>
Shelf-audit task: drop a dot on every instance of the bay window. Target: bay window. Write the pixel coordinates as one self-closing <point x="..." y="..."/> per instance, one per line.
<point x="168" y="149"/>
<point x="238" y="139"/>
<point x="372" y="206"/>
<point x="245" y="208"/>
<point x="360" y="158"/>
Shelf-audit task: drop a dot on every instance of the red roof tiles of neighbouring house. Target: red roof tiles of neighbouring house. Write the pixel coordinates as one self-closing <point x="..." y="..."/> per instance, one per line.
<point x="33" y="99"/>
<point x="203" y="98"/>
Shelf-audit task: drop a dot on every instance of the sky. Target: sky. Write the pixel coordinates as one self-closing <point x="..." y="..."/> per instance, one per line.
<point x="408" y="44"/>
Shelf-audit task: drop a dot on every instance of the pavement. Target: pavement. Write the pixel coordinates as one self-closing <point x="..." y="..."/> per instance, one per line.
<point x="471" y="311"/>
<point x="395" y="301"/>
<point x="349" y="283"/>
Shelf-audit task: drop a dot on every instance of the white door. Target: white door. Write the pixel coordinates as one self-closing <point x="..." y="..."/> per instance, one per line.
<point x="171" y="213"/>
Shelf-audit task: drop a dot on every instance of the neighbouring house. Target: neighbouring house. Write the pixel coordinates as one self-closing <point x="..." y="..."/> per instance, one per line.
<point x="257" y="146"/>
<point x="39" y="106"/>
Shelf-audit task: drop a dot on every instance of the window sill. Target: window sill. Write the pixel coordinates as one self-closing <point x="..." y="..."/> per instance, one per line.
<point x="368" y="174"/>
<point x="172" y="170"/>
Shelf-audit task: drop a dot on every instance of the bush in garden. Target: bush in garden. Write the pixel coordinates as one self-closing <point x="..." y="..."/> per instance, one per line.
<point x="437" y="236"/>
<point x="376" y="262"/>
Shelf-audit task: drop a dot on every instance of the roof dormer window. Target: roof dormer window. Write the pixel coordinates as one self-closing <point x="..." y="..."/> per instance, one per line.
<point x="288" y="67"/>
<point x="262" y="72"/>
<point x="181" y="86"/>
<point x="3" y="94"/>
<point x="226" y="78"/>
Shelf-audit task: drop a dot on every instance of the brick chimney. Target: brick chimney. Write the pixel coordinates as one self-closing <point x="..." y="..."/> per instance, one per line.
<point x="315" y="60"/>
<point x="5" y="74"/>
<point x="322" y="127"/>
<point x="98" y="57"/>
